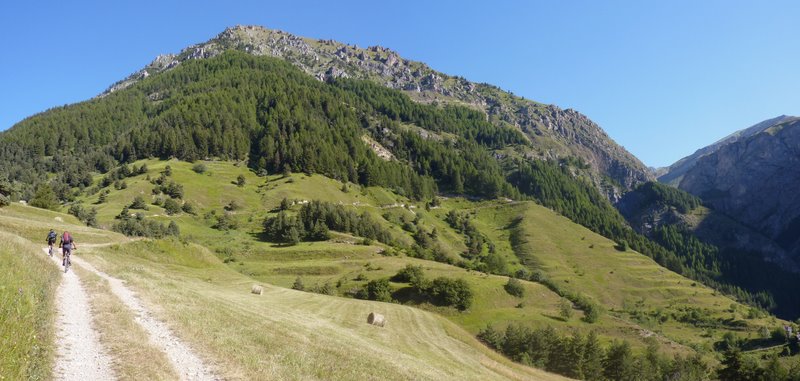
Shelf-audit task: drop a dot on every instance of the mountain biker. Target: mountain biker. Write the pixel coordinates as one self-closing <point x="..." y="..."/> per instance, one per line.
<point x="51" y="240"/>
<point x="67" y="244"/>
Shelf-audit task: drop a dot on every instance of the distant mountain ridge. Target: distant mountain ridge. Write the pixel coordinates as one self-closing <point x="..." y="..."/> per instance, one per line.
<point x="754" y="179"/>
<point x="554" y="132"/>
<point x="674" y="173"/>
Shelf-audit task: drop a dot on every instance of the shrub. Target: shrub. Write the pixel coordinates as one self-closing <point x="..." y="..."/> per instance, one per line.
<point x="173" y="229"/>
<point x="591" y="313"/>
<point x="241" y="181"/>
<point x="171" y="206"/>
<point x="298" y="284"/>
<point x="515" y="287"/>
<point x="199" y="168"/>
<point x="103" y="197"/>
<point x="189" y="208"/>
<point x="451" y="292"/>
<point x="89" y="217"/>
<point x="565" y="309"/>
<point x="138" y="203"/>
<point x="380" y="290"/>
<point x="232" y="206"/>
<point x="411" y="274"/>
<point x="141" y="227"/>
<point x="325" y="289"/>
<point x="172" y="189"/>
<point x="226" y="221"/>
<point x="4" y="201"/>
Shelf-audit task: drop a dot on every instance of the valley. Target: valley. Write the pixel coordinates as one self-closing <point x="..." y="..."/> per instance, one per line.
<point x="242" y="206"/>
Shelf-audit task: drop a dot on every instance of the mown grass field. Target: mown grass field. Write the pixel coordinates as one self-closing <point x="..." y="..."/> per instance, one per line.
<point x="293" y="335"/>
<point x="283" y="334"/>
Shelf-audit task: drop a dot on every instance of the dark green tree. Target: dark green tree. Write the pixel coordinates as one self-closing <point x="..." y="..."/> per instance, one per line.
<point x="45" y="198"/>
<point x="618" y="364"/>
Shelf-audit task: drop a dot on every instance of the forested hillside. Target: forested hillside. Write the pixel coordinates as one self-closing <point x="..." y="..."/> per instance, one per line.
<point x="707" y="239"/>
<point x="279" y="120"/>
<point x="554" y="133"/>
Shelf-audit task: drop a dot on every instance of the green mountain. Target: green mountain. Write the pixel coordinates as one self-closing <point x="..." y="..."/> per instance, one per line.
<point x="553" y="133"/>
<point x="376" y="178"/>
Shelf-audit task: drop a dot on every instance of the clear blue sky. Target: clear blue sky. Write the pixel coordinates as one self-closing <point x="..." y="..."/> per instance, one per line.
<point x="662" y="78"/>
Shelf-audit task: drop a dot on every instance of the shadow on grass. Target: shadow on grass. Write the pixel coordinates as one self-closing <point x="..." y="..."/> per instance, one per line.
<point x="556" y="318"/>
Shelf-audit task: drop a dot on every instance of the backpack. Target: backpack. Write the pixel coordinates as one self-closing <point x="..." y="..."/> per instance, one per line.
<point x="66" y="238"/>
<point x="51" y="236"/>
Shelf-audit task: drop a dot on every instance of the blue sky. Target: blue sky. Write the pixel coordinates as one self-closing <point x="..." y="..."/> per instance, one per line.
<point x="662" y="78"/>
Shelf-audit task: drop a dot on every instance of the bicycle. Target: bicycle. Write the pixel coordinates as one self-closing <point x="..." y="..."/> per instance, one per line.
<point x="66" y="262"/>
<point x="50" y="252"/>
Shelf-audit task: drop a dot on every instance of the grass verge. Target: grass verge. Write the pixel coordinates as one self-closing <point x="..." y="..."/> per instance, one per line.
<point x="27" y="288"/>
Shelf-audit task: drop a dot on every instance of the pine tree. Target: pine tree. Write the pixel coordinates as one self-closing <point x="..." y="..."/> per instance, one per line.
<point x="773" y="370"/>
<point x="575" y="356"/>
<point x="45" y="198"/>
<point x="618" y="364"/>
<point x="292" y="236"/>
<point x="732" y="366"/>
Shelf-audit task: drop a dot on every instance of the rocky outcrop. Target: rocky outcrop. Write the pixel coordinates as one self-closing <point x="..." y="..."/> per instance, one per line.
<point x="674" y="173"/>
<point x="710" y="226"/>
<point x="754" y="180"/>
<point x="555" y="133"/>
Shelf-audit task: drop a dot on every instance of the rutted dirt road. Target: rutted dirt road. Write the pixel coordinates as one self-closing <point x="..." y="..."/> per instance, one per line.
<point x="80" y="356"/>
<point x="80" y="353"/>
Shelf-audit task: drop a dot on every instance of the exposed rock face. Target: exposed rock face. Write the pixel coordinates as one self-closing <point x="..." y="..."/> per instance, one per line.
<point x="755" y="181"/>
<point x="674" y="173"/>
<point x="708" y="225"/>
<point x="555" y="133"/>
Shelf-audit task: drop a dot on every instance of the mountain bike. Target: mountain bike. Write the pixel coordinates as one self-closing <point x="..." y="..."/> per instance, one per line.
<point x="50" y="252"/>
<point x="66" y="262"/>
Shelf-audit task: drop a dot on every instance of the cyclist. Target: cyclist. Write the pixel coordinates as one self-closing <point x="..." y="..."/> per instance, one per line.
<point x="67" y="244"/>
<point x="51" y="240"/>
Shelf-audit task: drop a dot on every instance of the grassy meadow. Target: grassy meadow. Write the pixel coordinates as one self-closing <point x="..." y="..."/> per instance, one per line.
<point x="27" y="289"/>
<point x="200" y="282"/>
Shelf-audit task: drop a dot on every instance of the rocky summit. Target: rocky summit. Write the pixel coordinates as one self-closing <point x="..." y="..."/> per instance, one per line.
<point x="555" y="133"/>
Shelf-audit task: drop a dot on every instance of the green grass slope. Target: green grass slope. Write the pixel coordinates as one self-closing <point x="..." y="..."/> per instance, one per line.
<point x="629" y="285"/>
<point x="283" y="334"/>
<point x="27" y="312"/>
<point x="641" y="298"/>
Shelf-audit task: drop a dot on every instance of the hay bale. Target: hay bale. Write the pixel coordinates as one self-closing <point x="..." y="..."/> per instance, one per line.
<point x="257" y="289"/>
<point x="376" y="319"/>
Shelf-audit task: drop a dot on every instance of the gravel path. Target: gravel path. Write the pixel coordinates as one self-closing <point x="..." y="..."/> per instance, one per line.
<point x="79" y="353"/>
<point x="187" y="364"/>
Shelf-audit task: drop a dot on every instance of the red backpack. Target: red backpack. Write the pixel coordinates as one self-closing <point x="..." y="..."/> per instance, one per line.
<point x="66" y="238"/>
